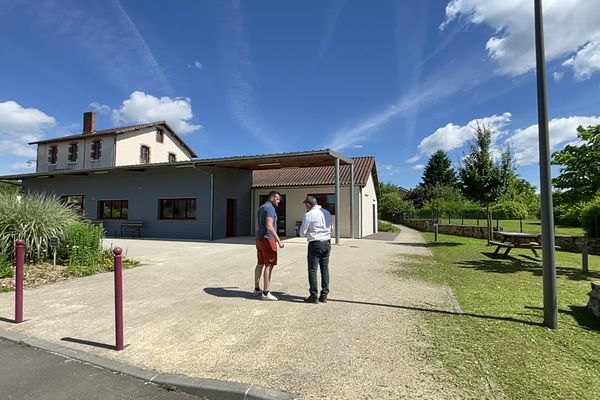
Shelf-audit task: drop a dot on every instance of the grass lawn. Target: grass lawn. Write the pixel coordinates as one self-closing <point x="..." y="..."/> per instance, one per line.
<point x="384" y="226"/>
<point x="529" y="226"/>
<point x="500" y="339"/>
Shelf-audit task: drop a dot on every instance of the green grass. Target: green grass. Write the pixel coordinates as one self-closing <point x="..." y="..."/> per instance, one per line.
<point x="529" y="226"/>
<point x="384" y="226"/>
<point x="500" y="336"/>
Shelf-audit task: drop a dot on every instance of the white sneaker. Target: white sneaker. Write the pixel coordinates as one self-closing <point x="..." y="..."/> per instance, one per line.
<point x="268" y="297"/>
<point x="257" y="293"/>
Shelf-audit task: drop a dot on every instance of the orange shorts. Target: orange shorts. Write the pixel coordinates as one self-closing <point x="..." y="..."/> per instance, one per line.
<point x="266" y="252"/>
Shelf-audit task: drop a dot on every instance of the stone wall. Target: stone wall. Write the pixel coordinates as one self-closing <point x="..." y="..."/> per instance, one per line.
<point x="594" y="303"/>
<point x="426" y="225"/>
<point x="573" y="244"/>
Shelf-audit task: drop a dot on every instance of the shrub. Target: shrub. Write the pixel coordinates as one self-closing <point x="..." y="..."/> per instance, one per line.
<point x="569" y="215"/>
<point x="590" y="218"/>
<point x="383" y="226"/>
<point x="82" y="245"/>
<point x="6" y="267"/>
<point x="34" y="218"/>
<point x="510" y="210"/>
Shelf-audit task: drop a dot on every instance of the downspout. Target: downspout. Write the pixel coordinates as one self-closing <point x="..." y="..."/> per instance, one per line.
<point x="212" y="200"/>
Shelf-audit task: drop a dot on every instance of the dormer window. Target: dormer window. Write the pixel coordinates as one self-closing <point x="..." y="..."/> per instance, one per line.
<point x="96" y="152"/>
<point x="72" y="155"/>
<point x="52" y="154"/>
<point x="144" y="154"/>
<point x="172" y="157"/>
<point x="160" y="135"/>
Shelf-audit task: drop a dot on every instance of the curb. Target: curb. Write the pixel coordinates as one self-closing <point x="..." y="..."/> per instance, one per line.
<point x="212" y="389"/>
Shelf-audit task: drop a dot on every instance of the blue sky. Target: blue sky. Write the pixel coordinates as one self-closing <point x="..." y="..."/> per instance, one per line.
<point x="393" y="79"/>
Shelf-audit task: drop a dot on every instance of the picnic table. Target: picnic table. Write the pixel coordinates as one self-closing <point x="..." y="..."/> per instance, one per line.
<point x="511" y="240"/>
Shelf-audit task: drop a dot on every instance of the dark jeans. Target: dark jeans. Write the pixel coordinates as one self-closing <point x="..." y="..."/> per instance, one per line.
<point x="318" y="256"/>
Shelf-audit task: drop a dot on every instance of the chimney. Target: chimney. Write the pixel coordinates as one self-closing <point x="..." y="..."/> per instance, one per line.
<point x="89" y="122"/>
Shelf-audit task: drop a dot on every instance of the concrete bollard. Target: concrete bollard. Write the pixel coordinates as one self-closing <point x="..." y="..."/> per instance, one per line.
<point x="118" y="299"/>
<point x="19" y="279"/>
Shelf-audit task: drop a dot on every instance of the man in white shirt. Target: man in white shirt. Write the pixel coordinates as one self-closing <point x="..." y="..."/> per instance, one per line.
<point x="316" y="226"/>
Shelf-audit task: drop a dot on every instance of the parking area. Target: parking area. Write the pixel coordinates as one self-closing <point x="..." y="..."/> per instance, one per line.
<point x="189" y="310"/>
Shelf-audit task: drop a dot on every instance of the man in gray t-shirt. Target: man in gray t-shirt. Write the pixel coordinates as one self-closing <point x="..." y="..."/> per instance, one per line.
<point x="267" y="241"/>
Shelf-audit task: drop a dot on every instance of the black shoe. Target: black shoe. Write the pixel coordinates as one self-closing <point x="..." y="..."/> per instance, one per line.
<point x="312" y="300"/>
<point x="323" y="299"/>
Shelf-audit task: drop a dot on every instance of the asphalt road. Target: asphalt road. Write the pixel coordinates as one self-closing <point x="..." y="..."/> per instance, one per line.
<point x="29" y="373"/>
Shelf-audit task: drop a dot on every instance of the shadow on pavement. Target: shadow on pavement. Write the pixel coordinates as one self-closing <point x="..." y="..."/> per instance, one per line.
<point x="245" y="294"/>
<point x="440" y="311"/>
<point x="12" y="321"/>
<point x="89" y="343"/>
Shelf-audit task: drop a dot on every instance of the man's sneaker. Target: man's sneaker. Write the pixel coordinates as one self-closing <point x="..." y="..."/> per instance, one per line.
<point x="257" y="293"/>
<point x="312" y="300"/>
<point x="268" y="297"/>
<point x="323" y="299"/>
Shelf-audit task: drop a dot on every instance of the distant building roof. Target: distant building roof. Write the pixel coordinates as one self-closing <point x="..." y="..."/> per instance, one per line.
<point x="117" y="131"/>
<point x="316" y="176"/>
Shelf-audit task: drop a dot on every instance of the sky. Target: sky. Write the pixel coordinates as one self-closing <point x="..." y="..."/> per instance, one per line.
<point x="394" y="79"/>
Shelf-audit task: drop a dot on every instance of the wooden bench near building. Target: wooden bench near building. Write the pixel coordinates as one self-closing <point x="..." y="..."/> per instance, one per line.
<point x="133" y="227"/>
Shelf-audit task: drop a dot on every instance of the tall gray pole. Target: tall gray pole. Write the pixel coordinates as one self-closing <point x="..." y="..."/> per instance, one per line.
<point x="352" y="235"/>
<point x="549" y="274"/>
<point x="337" y="201"/>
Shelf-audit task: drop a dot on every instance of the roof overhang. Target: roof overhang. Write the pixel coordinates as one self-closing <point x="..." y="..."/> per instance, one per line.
<point x="316" y="158"/>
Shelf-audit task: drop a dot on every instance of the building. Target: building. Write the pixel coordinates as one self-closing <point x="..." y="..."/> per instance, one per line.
<point x="296" y="183"/>
<point x="146" y="174"/>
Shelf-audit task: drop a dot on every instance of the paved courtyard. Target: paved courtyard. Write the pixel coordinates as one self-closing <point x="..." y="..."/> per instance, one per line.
<point x="188" y="310"/>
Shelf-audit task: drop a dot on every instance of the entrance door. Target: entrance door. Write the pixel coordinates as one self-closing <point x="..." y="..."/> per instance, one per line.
<point x="280" y="209"/>
<point x="231" y="212"/>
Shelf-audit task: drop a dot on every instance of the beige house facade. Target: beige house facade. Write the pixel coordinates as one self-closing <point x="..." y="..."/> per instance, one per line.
<point x="295" y="184"/>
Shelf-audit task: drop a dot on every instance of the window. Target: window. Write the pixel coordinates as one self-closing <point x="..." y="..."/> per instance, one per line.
<point x="96" y="150"/>
<point x="177" y="208"/>
<point x="160" y="136"/>
<point x="172" y="157"/>
<point x="72" y="155"/>
<point x="113" y="209"/>
<point x="325" y="200"/>
<point x="52" y="154"/>
<point x="76" y="202"/>
<point x="144" y="154"/>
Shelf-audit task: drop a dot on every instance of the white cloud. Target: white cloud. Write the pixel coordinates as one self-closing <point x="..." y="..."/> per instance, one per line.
<point x="142" y="108"/>
<point x="418" y="167"/>
<point x="586" y="61"/>
<point x="452" y="136"/>
<point x="571" y="29"/>
<point x="18" y="126"/>
<point x="22" y="166"/>
<point x="100" y="108"/>
<point x="563" y="131"/>
<point x="196" y="64"/>
<point x="558" y="76"/>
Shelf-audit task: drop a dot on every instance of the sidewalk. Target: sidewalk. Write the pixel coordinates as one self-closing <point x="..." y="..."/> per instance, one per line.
<point x="189" y="311"/>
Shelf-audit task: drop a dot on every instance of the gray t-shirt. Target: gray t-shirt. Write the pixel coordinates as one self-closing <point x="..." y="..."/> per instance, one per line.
<point x="264" y="211"/>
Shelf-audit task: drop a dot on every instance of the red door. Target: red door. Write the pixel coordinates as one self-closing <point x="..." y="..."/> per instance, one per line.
<point x="231" y="206"/>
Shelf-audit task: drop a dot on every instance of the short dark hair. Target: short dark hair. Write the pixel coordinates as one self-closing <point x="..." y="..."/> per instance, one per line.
<point x="312" y="200"/>
<point x="273" y="193"/>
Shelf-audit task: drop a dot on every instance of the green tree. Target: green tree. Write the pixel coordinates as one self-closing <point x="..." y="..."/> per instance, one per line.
<point x="392" y="207"/>
<point x="482" y="179"/>
<point x="519" y="190"/>
<point x="579" y="178"/>
<point x="439" y="171"/>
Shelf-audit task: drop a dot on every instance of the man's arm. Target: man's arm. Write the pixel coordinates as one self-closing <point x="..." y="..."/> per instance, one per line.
<point x="272" y="230"/>
<point x="304" y="226"/>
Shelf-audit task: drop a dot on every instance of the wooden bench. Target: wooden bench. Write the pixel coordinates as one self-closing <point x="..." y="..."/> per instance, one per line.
<point x="133" y="227"/>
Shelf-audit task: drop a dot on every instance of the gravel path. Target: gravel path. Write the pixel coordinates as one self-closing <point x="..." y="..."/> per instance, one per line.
<point x="188" y="310"/>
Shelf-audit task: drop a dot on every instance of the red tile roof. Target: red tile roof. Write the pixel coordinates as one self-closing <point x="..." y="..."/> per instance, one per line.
<point x="316" y="176"/>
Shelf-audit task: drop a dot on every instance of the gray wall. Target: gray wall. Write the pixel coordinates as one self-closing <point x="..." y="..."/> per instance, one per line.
<point x="144" y="189"/>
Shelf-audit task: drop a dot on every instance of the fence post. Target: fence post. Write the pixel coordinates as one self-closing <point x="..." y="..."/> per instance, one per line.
<point x="19" y="278"/>
<point x="118" y="299"/>
<point x="435" y="232"/>
<point x="521" y="224"/>
<point x="584" y="257"/>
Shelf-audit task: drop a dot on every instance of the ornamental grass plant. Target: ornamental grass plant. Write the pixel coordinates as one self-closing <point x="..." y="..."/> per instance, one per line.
<point x="34" y="218"/>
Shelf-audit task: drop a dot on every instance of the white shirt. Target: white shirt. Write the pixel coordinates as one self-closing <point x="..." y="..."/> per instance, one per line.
<point x="316" y="224"/>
